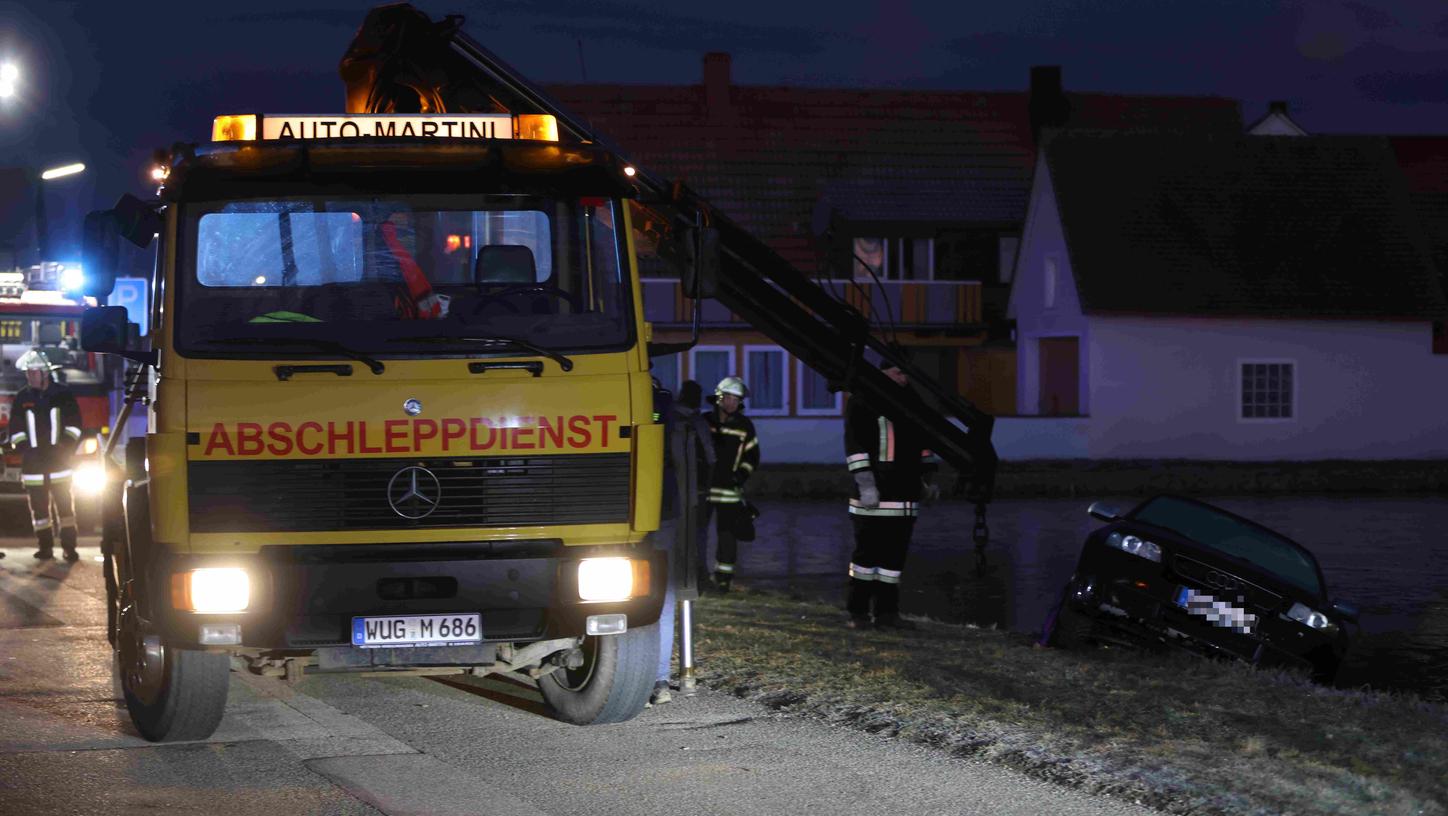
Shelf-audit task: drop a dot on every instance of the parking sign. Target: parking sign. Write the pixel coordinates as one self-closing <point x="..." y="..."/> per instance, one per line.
<point x="133" y="293"/>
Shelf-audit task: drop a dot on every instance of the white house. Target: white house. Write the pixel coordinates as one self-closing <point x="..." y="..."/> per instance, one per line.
<point x="1237" y="298"/>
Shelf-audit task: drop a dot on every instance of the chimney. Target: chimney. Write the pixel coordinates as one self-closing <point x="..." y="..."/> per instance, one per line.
<point x="1277" y="106"/>
<point x="716" y="87"/>
<point x="1048" y="105"/>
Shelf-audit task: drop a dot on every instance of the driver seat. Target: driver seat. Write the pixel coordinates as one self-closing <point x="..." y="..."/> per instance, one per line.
<point x="500" y="266"/>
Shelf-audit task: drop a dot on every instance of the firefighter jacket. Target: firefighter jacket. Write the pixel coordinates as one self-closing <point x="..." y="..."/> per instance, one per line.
<point x="736" y="455"/>
<point x="895" y="453"/>
<point x="45" y="428"/>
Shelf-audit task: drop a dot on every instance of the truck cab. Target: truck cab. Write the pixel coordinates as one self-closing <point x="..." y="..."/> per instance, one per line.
<point x="399" y="415"/>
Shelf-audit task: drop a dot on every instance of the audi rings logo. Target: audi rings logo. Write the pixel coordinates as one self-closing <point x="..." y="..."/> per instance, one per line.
<point x="414" y="492"/>
<point x="1221" y="580"/>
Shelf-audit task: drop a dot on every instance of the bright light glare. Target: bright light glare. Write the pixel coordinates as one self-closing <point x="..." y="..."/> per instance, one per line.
<point x="7" y="89"/>
<point x="260" y="280"/>
<point x="605" y="579"/>
<point x="90" y="479"/>
<point x="629" y="171"/>
<point x="159" y="173"/>
<point x="90" y="445"/>
<point x="63" y="170"/>
<point x="218" y="589"/>
<point x="72" y="278"/>
<point x="9" y="73"/>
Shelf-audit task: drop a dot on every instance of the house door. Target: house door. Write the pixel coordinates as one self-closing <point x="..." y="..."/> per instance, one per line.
<point x="1060" y="376"/>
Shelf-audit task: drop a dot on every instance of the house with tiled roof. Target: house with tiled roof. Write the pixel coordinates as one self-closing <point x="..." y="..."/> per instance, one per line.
<point x="906" y="203"/>
<point x="1227" y="298"/>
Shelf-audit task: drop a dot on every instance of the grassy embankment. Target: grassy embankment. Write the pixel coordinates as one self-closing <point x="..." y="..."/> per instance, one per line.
<point x="1176" y="732"/>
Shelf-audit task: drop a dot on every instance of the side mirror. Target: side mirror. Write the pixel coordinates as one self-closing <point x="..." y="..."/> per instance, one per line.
<point x="701" y="272"/>
<point x="104" y="330"/>
<point x="100" y="252"/>
<point x="138" y="221"/>
<point x="1103" y="511"/>
<point x="1346" y="610"/>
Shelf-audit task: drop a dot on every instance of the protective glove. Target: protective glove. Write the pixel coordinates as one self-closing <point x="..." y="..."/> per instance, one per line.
<point x="869" y="494"/>
<point x="929" y="491"/>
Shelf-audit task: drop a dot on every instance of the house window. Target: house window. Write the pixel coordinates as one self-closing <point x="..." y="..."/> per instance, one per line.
<point x="666" y="370"/>
<point x="710" y="364"/>
<point x="1049" y="282"/>
<point x="894" y="258"/>
<point x="766" y="372"/>
<point x="1268" y="390"/>
<point x="968" y="255"/>
<point x="814" y="397"/>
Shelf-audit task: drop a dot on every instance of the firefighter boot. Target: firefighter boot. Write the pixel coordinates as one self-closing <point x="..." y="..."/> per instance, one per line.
<point x="45" y="541"/>
<point x="887" y="608"/>
<point x="722" y="581"/>
<point x="858" y="603"/>
<point x="67" y="544"/>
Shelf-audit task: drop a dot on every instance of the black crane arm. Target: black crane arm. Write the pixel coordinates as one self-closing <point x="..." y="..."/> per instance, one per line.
<point x="402" y="61"/>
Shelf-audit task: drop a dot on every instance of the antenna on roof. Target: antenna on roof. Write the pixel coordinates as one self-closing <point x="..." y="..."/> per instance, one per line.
<point x="582" y="67"/>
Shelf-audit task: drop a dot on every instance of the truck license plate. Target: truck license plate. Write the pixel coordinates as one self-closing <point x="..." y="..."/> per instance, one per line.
<point x="417" y="630"/>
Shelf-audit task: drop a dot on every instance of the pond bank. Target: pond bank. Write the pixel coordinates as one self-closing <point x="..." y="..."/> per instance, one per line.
<point x="1175" y="732"/>
<point x="1141" y="477"/>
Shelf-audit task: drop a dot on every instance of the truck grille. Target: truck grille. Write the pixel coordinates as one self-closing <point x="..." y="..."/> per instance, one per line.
<point x="360" y="494"/>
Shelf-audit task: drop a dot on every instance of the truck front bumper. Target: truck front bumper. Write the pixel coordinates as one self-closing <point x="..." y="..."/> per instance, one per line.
<point x="305" y="598"/>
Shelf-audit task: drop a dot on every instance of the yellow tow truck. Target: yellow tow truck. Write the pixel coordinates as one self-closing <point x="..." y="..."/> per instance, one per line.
<point x="399" y="411"/>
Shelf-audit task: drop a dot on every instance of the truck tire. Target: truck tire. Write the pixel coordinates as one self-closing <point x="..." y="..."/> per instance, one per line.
<point x="612" y="685"/>
<point x="171" y="694"/>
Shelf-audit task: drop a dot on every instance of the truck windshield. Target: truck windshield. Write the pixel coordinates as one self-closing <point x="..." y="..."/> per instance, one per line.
<point x="402" y="274"/>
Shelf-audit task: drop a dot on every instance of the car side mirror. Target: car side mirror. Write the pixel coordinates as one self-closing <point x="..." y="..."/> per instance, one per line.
<point x="1103" y="511"/>
<point x="103" y="330"/>
<point x="701" y="271"/>
<point x="1346" y="610"/>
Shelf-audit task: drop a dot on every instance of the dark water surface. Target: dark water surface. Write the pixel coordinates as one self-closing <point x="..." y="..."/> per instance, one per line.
<point x="1387" y="555"/>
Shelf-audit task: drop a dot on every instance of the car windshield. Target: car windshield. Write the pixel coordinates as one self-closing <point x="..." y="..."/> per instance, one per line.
<point x="1233" y="537"/>
<point x="58" y="338"/>
<point x="402" y="274"/>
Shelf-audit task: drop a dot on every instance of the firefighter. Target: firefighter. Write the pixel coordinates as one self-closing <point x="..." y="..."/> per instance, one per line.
<point x="892" y="469"/>
<point x="736" y="455"/>
<point x="45" y="427"/>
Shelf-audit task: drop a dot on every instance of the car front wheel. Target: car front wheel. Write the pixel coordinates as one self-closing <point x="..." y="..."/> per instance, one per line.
<point x="613" y="682"/>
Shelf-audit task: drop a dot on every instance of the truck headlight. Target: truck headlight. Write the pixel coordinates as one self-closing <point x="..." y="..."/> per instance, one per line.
<point x="90" y="479"/>
<point x="90" y="446"/>
<point x="612" y="579"/>
<point x="1311" y="618"/>
<point x="1136" y="545"/>
<point x="214" y="589"/>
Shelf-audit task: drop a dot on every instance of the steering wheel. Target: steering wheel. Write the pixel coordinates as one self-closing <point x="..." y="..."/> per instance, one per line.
<point x="485" y="298"/>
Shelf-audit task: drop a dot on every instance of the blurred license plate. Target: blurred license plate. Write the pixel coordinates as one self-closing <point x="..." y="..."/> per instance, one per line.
<point x="417" y="630"/>
<point x="1217" y="612"/>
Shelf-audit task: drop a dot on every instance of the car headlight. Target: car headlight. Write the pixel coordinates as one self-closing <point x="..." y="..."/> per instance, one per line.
<point x="1311" y="618"/>
<point x="214" y="589"/>
<point x="89" y="479"/>
<point x="612" y="579"/>
<point x="1136" y="545"/>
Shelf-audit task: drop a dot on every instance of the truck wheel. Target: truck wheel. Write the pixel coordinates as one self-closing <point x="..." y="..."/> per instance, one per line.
<point x="172" y="694"/>
<point x="612" y="685"/>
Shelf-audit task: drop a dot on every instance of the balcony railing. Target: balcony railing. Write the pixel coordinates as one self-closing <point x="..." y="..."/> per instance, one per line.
<point x="918" y="305"/>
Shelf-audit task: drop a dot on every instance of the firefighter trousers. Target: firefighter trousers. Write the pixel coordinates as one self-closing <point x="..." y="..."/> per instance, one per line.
<point x="47" y="493"/>
<point x="730" y="520"/>
<point x="881" y="544"/>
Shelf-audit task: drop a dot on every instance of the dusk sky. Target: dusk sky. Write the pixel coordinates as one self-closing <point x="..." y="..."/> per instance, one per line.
<point x="106" y="82"/>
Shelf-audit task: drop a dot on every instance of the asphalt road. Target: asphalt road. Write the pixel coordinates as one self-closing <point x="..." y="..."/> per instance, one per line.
<point x="347" y="744"/>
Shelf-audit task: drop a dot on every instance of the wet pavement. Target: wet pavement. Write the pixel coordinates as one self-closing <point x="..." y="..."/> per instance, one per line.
<point x="1389" y="555"/>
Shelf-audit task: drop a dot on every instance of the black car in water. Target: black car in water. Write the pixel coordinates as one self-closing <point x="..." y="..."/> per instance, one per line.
<point x="1176" y="571"/>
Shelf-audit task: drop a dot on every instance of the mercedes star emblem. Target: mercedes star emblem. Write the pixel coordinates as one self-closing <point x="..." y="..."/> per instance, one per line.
<point x="414" y="492"/>
<point x="413" y="407"/>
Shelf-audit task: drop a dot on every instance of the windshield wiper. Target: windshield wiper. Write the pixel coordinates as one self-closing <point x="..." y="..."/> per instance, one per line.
<point x="327" y="345"/>
<point x="497" y="342"/>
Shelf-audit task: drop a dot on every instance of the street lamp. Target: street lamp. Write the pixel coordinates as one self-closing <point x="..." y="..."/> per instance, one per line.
<point x="9" y="80"/>
<point x="42" y="243"/>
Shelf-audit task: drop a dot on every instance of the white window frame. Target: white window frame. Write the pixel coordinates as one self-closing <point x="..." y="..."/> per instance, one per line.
<point x="1237" y="377"/>
<point x="708" y="388"/>
<point x="799" y="409"/>
<point x="784" y="391"/>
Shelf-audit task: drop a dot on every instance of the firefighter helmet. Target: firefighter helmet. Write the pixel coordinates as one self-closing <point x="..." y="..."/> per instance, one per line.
<point x="34" y="360"/>
<point x="731" y="385"/>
